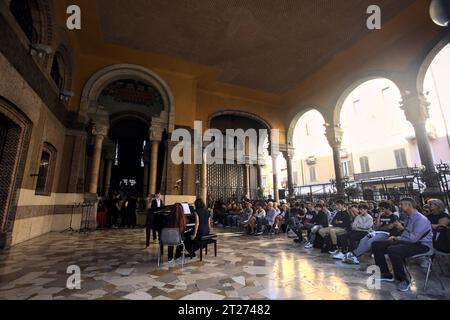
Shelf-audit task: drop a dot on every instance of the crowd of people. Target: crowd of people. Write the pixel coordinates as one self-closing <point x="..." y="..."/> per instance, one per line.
<point x="348" y="231"/>
<point x="118" y="210"/>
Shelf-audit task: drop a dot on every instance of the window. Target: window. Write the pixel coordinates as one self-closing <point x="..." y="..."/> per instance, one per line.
<point x="400" y="158"/>
<point x="364" y="161"/>
<point x="45" y="173"/>
<point x="312" y="174"/>
<point x="345" y="169"/>
<point x="57" y="71"/>
<point x="22" y="10"/>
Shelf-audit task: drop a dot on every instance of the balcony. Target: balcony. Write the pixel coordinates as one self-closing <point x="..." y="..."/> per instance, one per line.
<point x="383" y="174"/>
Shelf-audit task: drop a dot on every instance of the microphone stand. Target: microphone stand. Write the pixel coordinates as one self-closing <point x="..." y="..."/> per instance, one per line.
<point x="70" y="229"/>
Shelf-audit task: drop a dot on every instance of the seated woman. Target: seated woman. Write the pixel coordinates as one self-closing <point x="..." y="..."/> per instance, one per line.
<point x="202" y="227"/>
<point x="280" y="219"/>
<point x="177" y="219"/>
<point x="439" y="219"/>
<point x="248" y="212"/>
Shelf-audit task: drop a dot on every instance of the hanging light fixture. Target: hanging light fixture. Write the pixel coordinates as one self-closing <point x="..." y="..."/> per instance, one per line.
<point x="440" y="12"/>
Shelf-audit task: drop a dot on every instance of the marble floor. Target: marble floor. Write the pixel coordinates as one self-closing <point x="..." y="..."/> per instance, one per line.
<point x="115" y="265"/>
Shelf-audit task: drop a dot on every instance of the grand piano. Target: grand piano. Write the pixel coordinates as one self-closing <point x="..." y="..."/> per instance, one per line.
<point x="157" y="219"/>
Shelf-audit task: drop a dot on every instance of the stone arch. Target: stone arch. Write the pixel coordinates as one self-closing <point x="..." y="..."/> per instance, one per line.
<point x="294" y="122"/>
<point x="16" y="137"/>
<point x="428" y="60"/>
<point x="240" y="114"/>
<point x="106" y="76"/>
<point x="349" y="87"/>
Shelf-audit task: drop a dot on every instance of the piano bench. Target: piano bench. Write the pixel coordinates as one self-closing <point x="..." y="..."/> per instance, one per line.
<point x="203" y="244"/>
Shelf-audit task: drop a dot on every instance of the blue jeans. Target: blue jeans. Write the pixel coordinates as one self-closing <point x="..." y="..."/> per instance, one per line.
<point x="232" y="220"/>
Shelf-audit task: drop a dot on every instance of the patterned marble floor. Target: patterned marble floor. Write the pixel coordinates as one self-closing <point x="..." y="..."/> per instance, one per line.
<point x="115" y="265"/>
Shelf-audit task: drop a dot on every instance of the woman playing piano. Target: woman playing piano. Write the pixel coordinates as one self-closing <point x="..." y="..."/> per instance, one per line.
<point x="202" y="226"/>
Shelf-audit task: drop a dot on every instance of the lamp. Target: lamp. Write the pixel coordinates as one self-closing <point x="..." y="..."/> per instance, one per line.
<point x="440" y="12"/>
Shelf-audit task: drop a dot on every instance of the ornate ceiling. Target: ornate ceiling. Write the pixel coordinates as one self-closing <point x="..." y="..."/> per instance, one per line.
<point x="261" y="44"/>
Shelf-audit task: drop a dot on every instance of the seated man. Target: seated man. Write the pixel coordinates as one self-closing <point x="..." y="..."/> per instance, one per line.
<point x="361" y="226"/>
<point x="417" y="238"/>
<point x="307" y="222"/>
<point x="234" y="215"/>
<point x="295" y="218"/>
<point x="340" y="226"/>
<point x="320" y="221"/>
<point x="387" y="225"/>
<point x="271" y="215"/>
<point x="255" y="220"/>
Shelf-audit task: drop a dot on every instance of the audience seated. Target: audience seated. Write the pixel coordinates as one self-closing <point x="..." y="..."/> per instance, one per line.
<point x="361" y="226"/>
<point x="319" y="221"/>
<point x="387" y="225"/>
<point x="347" y="230"/>
<point x="417" y="238"/>
<point x="307" y="223"/>
<point x="340" y="225"/>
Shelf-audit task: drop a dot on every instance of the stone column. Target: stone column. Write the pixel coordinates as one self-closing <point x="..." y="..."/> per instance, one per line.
<point x="334" y="136"/>
<point x="416" y="111"/>
<point x="288" y="155"/>
<point x="145" y="179"/>
<point x="100" y="129"/>
<point x="276" y="195"/>
<point x="204" y="179"/>
<point x="109" y="161"/>
<point x="247" y="179"/>
<point x="155" y="140"/>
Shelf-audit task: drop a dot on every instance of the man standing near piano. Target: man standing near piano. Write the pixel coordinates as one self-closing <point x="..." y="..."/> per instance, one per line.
<point x="156" y="204"/>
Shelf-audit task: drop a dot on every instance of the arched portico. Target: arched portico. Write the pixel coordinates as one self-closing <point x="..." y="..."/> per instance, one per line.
<point x="103" y="117"/>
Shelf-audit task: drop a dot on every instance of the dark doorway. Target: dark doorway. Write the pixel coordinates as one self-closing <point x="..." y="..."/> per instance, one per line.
<point x="130" y="137"/>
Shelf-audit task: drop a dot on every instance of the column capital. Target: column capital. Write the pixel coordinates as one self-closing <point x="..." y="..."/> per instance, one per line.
<point x="416" y="107"/>
<point x="155" y="133"/>
<point x="288" y="152"/>
<point x="334" y="134"/>
<point x="100" y="122"/>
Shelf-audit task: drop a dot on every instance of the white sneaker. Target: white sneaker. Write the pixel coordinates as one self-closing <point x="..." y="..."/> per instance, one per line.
<point x="351" y="260"/>
<point x="171" y="262"/>
<point x="339" y="256"/>
<point x="309" y="245"/>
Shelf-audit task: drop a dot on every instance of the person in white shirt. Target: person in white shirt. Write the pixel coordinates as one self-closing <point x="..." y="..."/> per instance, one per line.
<point x="259" y="215"/>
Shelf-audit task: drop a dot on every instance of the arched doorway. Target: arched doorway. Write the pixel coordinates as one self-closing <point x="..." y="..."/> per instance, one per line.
<point x="234" y="181"/>
<point x="131" y="111"/>
<point x="14" y="140"/>
<point x="313" y="158"/>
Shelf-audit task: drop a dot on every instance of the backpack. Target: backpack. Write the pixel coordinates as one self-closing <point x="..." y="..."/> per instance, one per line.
<point x="442" y="240"/>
